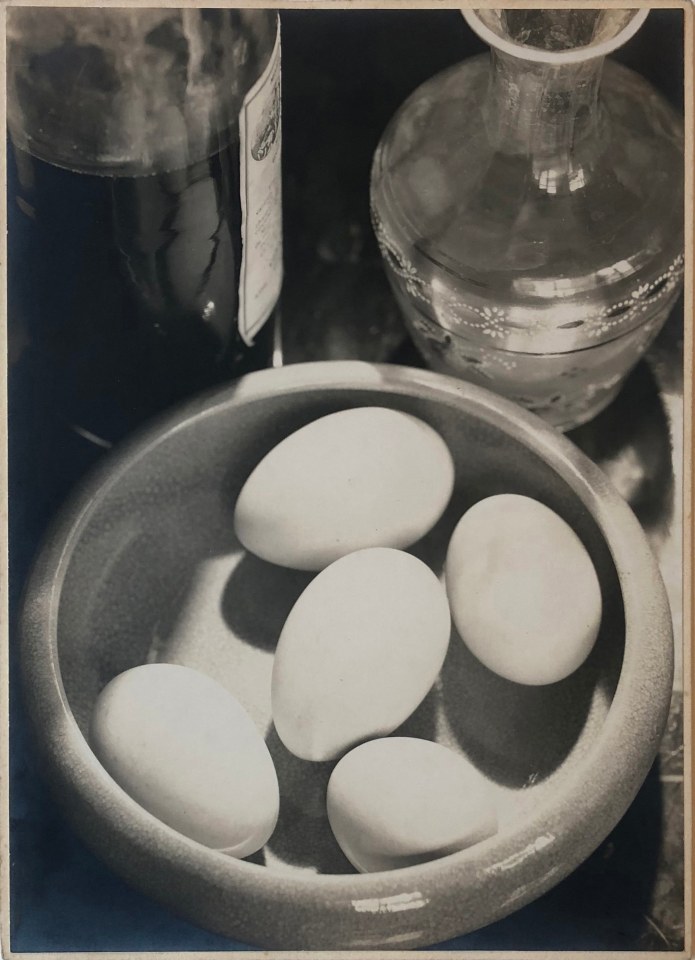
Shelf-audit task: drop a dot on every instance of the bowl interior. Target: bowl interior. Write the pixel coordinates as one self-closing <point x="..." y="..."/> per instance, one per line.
<point x="156" y="574"/>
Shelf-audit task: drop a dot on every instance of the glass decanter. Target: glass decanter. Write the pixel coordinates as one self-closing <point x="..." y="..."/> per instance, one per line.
<point x="529" y="208"/>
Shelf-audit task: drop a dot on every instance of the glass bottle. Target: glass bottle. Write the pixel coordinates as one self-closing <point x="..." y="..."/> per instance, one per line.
<point x="529" y="208"/>
<point x="145" y="235"/>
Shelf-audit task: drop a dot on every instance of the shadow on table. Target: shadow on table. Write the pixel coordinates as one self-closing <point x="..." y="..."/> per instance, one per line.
<point x="630" y="441"/>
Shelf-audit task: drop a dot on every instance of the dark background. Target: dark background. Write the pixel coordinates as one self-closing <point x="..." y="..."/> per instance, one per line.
<point x="344" y="74"/>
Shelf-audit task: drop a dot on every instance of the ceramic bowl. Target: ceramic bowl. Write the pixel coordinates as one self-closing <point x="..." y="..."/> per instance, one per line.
<point x="143" y="566"/>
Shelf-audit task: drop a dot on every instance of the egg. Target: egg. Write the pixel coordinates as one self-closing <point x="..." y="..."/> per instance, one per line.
<point x="358" y="652"/>
<point x="183" y="747"/>
<point x="398" y="801"/>
<point x="523" y="590"/>
<point x="362" y="477"/>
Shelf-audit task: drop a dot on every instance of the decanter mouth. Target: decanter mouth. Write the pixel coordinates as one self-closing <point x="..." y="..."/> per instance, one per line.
<point x="556" y="36"/>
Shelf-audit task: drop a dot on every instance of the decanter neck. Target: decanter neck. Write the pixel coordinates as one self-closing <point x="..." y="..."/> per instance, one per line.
<point x="548" y="113"/>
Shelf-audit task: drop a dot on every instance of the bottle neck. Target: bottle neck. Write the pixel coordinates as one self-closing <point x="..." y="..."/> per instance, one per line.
<point x="547" y="113"/>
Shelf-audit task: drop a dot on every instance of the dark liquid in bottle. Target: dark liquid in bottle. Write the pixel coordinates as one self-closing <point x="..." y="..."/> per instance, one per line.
<point x="123" y="291"/>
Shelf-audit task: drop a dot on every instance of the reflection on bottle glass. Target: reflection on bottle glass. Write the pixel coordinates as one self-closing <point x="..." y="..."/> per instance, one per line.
<point x="134" y="286"/>
<point x="131" y="206"/>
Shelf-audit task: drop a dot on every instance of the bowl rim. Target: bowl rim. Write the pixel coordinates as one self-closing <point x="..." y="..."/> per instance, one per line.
<point x="607" y="787"/>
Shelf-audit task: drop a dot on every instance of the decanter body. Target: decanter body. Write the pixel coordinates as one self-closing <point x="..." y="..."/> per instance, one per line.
<point x="529" y="207"/>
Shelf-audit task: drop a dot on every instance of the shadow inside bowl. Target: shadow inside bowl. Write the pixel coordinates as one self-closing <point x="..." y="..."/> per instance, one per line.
<point x="303" y="837"/>
<point x="128" y="586"/>
<point x="519" y="735"/>
<point x="257" y="600"/>
<point x="432" y="548"/>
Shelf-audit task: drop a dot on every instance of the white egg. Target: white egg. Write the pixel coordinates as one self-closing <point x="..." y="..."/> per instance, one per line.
<point x="399" y="801"/>
<point x="363" y="477"/>
<point x="523" y="590"/>
<point x="183" y="747"/>
<point x="359" y="651"/>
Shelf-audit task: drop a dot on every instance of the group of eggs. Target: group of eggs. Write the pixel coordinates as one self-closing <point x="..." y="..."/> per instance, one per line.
<point x="346" y="495"/>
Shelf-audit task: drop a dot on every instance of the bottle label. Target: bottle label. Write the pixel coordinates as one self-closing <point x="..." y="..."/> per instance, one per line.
<point x="261" y="198"/>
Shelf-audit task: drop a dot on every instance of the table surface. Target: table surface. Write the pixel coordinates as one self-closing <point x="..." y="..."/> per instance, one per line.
<point x="336" y="304"/>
